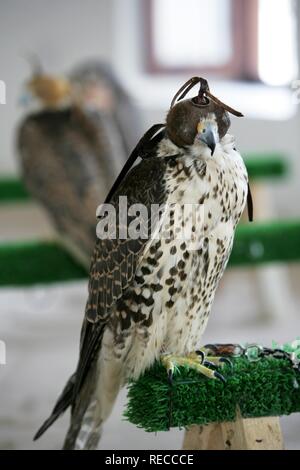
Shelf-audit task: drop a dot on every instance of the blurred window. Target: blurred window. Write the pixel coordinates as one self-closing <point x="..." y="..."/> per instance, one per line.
<point x="277" y="41"/>
<point x="242" y="39"/>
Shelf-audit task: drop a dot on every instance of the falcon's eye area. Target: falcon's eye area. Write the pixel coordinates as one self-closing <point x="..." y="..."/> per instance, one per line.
<point x="201" y="128"/>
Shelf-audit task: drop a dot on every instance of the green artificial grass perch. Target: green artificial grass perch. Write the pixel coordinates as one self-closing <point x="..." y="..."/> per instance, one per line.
<point x="267" y="387"/>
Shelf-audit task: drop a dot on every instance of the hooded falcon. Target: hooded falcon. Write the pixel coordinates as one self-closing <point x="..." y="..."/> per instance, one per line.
<point x="150" y="295"/>
<point x="69" y="156"/>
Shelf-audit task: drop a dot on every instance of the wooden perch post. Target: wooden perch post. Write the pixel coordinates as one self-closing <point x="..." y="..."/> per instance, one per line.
<point x="241" y="434"/>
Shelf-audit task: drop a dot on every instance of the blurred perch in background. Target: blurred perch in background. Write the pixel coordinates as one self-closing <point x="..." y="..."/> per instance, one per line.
<point x="72" y="148"/>
<point x="271" y="283"/>
<point x="42" y="262"/>
<point x="28" y="263"/>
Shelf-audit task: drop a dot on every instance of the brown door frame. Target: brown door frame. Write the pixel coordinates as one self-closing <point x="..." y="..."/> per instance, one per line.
<point x="243" y="64"/>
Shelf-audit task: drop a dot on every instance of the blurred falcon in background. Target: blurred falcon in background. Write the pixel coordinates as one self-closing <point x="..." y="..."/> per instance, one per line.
<point x="100" y="89"/>
<point x="150" y="297"/>
<point x="71" y="150"/>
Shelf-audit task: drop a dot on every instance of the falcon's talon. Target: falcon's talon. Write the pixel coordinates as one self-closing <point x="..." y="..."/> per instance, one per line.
<point x="227" y="361"/>
<point x="197" y="360"/>
<point x="219" y="376"/>
<point x="218" y="361"/>
<point x="201" y="353"/>
<point x="210" y="364"/>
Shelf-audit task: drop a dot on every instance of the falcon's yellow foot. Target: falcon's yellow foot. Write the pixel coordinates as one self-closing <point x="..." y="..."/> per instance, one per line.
<point x="198" y="360"/>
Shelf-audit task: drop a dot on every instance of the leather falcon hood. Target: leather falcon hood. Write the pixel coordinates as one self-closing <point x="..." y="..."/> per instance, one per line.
<point x="183" y="117"/>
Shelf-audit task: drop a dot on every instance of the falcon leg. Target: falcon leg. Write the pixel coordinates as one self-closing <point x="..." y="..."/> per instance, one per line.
<point x="198" y="361"/>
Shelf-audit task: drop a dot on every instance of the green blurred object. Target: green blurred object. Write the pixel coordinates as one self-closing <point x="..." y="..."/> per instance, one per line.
<point x="257" y="243"/>
<point x="260" y="166"/>
<point x="266" y="165"/>
<point x="268" y="387"/>
<point x="12" y="190"/>
<point x="37" y="262"/>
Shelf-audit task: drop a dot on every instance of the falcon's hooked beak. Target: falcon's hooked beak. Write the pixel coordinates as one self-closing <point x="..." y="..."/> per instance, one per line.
<point x="207" y="133"/>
